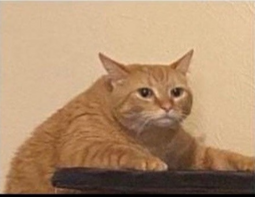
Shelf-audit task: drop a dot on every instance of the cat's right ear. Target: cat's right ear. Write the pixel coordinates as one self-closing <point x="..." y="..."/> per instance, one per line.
<point x="117" y="71"/>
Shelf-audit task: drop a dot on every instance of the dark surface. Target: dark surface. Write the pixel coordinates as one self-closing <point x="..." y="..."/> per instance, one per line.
<point x="87" y="180"/>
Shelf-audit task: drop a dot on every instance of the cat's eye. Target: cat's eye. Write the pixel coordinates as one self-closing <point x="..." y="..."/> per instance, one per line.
<point x="145" y="92"/>
<point x="177" y="92"/>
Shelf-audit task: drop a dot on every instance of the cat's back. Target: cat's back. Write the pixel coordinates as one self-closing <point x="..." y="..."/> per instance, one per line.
<point x="88" y="100"/>
<point x="39" y="153"/>
<point x="50" y="130"/>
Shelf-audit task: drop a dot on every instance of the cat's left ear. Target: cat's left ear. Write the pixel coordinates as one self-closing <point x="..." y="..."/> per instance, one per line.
<point x="117" y="71"/>
<point x="183" y="63"/>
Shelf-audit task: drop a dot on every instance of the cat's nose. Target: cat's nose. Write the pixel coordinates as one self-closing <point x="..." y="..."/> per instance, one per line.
<point x="166" y="106"/>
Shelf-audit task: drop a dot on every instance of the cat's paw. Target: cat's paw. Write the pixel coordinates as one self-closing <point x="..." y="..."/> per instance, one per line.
<point x="145" y="164"/>
<point x="247" y="164"/>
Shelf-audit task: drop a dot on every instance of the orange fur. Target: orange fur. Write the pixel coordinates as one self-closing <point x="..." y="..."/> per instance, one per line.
<point x="112" y="126"/>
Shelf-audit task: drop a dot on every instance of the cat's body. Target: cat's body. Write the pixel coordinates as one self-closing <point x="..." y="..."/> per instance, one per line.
<point x="112" y="125"/>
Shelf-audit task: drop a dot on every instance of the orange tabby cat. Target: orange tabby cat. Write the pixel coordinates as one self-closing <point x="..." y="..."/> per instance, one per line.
<point x="130" y="118"/>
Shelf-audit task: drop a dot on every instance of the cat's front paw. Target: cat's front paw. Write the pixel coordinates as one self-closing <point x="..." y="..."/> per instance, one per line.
<point x="247" y="164"/>
<point x="145" y="164"/>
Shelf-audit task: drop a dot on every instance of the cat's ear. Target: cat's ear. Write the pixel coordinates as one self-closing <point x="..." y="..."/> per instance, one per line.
<point x="183" y="63"/>
<point x="117" y="71"/>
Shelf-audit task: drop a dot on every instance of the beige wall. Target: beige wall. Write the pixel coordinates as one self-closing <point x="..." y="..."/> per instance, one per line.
<point x="49" y="54"/>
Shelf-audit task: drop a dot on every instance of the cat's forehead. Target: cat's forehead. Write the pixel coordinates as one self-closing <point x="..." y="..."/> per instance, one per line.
<point x="157" y="74"/>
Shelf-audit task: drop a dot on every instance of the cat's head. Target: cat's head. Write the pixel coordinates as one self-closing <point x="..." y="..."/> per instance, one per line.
<point x="144" y="95"/>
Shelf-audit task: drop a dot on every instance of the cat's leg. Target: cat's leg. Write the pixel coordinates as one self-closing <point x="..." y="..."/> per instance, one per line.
<point x="135" y="158"/>
<point x="216" y="159"/>
<point x="110" y="155"/>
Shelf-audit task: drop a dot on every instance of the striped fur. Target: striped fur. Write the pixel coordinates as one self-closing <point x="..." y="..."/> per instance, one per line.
<point x="111" y="126"/>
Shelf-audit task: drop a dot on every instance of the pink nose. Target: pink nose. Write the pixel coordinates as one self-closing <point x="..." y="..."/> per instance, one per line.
<point x="166" y="106"/>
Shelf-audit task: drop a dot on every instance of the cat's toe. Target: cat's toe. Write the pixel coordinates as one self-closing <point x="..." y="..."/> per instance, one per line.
<point x="250" y="166"/>
<point x="146" y="164"/>
<point x="157" y="165"/>
<point x="247" y="165"/>
<point x="153" y="164"/>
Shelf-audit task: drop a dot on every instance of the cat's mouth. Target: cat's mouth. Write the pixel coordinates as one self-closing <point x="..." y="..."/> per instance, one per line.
<point x="165" y="121"/>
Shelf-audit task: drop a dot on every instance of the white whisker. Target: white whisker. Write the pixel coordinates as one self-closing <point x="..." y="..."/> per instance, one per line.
<point x="145" y="122"/>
